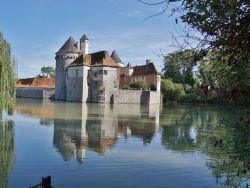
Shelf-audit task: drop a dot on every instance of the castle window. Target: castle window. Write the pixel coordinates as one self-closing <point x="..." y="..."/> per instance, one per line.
<point x="105" y="72"/>
<point x="76" y="72"/>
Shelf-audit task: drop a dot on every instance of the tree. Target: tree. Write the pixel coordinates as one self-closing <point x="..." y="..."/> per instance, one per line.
<point x="222" y="30"/>
<point x="179" y="67"/>
<point x="7" y="77"/>
<point x="7" y="102"/>
<point x="49" y="71"/>
<point x="167" y="90"/>
<point x="220" y="26"/>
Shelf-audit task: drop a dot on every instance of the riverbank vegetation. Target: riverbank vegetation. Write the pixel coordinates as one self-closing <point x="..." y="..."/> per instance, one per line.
<point x="7" y="102"/>
<point x="215" y="44"/>
<point x="7" y="77"/>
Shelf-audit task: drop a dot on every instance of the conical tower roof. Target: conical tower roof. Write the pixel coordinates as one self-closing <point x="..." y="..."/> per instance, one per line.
<point x="84" y="37"/>
<point x="69" y="46"/>
<point x="129" y="66"/>
<point x="116" y="57"/>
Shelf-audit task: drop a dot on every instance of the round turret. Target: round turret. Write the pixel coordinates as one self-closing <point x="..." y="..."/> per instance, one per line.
<point x="66" y="55"/>
<point x="117" y="59"/>
<point x="84" y="44"/>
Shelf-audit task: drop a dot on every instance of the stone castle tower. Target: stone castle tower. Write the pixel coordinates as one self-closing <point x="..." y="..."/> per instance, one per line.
<point x="65" y="56"/>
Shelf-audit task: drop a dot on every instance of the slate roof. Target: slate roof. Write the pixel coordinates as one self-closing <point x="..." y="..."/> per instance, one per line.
<point x="69" y="46"/>
<point x="145" y="69"/>
<point x="129" y="66"/>
<point x="84" y="37"/>
<point x="116" y="57"/>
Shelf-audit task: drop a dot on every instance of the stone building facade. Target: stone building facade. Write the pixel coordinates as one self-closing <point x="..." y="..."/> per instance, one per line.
<point x="98" y="77"/>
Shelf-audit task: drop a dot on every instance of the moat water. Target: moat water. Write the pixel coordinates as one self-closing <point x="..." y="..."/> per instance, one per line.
<point x="98" y="145"/>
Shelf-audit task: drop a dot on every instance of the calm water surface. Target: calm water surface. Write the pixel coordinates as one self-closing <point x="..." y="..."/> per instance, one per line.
<point x="97" y="145"/>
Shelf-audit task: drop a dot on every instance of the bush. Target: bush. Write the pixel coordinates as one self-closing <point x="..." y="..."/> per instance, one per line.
<point x="126" y="87"/>
<point x="178" y="92"/>
<point x="167" y="90"/>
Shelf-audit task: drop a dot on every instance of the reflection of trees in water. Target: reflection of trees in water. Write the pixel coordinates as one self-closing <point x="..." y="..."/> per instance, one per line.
<point x="208" y="130"/>
<point x="183" y="135"/>
<point x="230" y="151"/>
<point x="6" y="151"/>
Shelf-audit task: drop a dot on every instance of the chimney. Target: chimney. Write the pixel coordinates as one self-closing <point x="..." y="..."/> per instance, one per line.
<point x="147" y="61"/>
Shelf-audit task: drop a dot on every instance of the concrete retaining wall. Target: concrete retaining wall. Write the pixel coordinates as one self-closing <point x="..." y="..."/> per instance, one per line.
<point x="42" y="93"/>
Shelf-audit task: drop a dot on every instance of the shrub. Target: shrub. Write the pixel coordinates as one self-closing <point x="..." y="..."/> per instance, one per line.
<point x="140" y="84"/>
<point x="167" y="90"/>
<point x="126" y="87"/>
<point x="178" y="92"/>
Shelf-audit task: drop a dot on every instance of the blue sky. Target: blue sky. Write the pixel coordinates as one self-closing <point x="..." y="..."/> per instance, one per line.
<point x="37" y="29"/>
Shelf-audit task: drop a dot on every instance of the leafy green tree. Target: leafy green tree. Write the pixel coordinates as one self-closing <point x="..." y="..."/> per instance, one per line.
<point x="48" y="71"/>
<point x="7" y="77"/>
<point x="7" y="102"/>
<point x="179" y="67"/>
<point x="140" y="84"/>
<point x="167" y="90"/>
<point x="178" y="92"/>
<point x="222" y="28"/>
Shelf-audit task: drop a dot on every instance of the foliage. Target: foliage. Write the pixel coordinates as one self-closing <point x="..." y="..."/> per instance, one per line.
<point x="167" y="90"/>
<point x="140" y="84"/>
<point x="7" y="151"/>
<point x="171" y="91"/>
<point x="126" y="87"/>
<point x="218" y="30"/>
<point x="7" y="77"/>
<point x="178" y="92"/>
<point x="49" y="71"/>
<point x="179" y="67"/>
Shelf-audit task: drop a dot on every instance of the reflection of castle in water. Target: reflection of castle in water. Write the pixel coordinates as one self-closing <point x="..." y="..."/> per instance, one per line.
<point x="91" y="126"/>
<point x="98" y="126"/>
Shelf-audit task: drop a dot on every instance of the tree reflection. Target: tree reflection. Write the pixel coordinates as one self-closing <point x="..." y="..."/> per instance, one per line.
<point x="208" y="130"/>
<point x="6" y="151"/>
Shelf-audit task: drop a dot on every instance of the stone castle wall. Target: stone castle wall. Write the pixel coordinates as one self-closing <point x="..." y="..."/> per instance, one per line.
<point x="42" y="93"/>
<point x="136" y="97"/>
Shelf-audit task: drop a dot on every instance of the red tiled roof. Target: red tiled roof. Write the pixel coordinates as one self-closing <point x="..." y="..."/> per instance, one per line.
<point x="145" y="69"/>
<point x="102" y="58"/>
